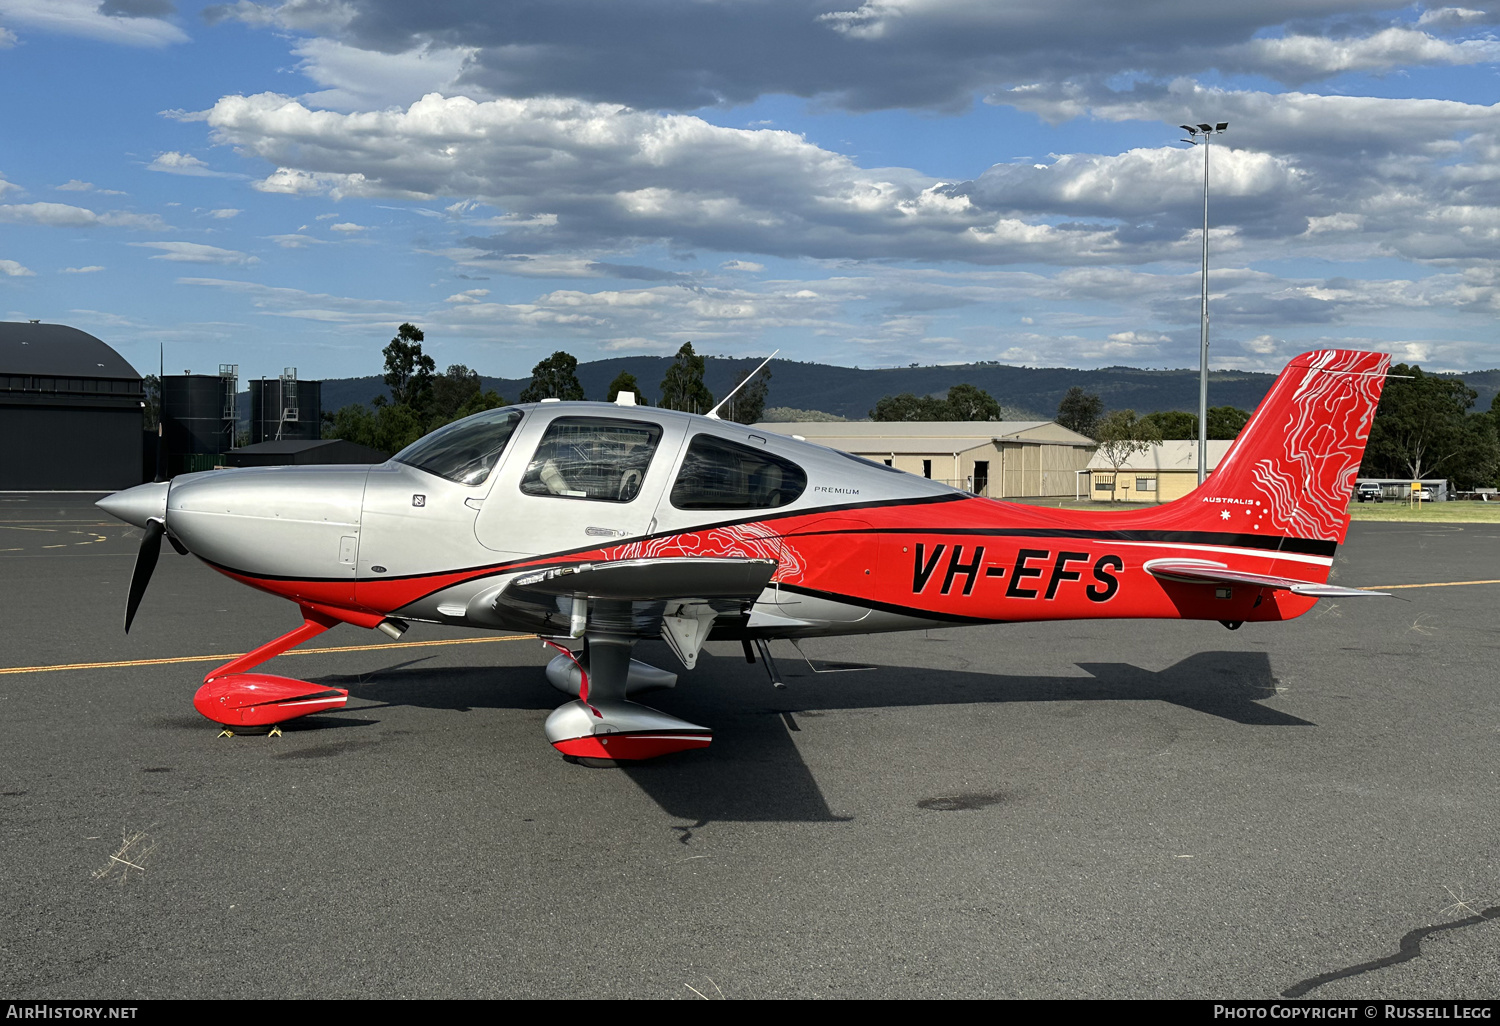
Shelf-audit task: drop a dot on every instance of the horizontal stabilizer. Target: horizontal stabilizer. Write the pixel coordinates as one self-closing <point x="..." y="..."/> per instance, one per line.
<point x="675" y="577"/>
<point x="1202" y="571"/>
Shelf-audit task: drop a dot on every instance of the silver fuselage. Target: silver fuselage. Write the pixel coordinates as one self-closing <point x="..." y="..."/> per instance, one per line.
<point x="368" y="525"/>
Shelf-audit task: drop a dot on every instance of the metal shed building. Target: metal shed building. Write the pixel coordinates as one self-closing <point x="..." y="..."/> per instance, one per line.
<point x="998" y="458"/>
<point x="1164" y="472"/>
<point x="303" y="452"/>
<point x="70" y="411"/>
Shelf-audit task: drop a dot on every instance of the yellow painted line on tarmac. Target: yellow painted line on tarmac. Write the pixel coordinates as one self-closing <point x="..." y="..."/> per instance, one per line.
<point x="235" y="655"/>
<point x="1433" y="584"/>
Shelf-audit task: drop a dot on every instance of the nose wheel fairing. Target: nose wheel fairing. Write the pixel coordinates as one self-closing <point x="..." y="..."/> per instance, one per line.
<point x="263" y="699"/>
<point x="233" y="697"/>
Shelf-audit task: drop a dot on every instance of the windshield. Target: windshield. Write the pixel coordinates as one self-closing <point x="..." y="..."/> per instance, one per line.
<point x="466" y="450"/>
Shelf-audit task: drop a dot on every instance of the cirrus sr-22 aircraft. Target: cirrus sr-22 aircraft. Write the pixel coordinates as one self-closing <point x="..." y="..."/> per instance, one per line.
<point x="611" y="523"/>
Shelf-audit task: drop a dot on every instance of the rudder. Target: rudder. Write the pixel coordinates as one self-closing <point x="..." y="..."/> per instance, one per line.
<point x="1295" y="462"/>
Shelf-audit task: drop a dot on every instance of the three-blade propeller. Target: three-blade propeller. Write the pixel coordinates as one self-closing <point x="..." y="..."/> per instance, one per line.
<point x="145" y="563"/>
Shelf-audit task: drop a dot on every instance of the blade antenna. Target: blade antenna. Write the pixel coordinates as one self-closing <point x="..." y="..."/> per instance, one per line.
<point x="161" y="453"/>
<point x="713" y="414"/>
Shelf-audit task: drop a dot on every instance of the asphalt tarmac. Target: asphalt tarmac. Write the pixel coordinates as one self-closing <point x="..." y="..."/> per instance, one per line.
<point x="1094" y="809"/>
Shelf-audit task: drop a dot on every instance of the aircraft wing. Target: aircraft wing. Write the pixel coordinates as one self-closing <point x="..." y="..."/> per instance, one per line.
<point x="638" y="580"/>
<point x="675" y="598"/>
<point x="1202" y="571"/>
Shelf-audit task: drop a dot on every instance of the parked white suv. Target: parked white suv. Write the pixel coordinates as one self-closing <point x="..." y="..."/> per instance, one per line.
<point x="1367" y="490"/>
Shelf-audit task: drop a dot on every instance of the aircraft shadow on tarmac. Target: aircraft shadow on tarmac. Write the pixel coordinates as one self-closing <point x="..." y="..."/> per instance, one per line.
<point x="754" y="772"/>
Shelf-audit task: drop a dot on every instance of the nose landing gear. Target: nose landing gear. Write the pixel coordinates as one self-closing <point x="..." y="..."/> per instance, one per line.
<point x="235" y="699"/>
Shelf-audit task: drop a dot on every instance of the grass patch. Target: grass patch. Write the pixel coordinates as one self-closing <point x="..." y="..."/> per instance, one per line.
<point x="1427" y="512"/>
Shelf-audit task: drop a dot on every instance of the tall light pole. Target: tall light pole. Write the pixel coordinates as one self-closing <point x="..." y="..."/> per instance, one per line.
<point x="1196" y="134"/>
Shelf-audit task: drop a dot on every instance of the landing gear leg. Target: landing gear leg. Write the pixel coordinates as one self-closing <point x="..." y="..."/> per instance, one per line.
<point x="604" y="724"/>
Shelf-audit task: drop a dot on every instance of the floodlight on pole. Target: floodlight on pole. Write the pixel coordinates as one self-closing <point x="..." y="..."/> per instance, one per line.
<point x="1203" y="134"/>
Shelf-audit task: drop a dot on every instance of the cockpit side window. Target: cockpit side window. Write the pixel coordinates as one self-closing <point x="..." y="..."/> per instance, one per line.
<point x="594" y="458"/>
<point x="719" y="474"/>
<point x="466" y="450"/>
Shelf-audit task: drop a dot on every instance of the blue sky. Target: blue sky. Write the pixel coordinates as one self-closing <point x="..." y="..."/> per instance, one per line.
<point x="871" y="184"/>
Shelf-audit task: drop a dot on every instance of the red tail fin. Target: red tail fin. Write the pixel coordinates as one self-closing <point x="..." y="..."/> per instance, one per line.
<point x="1297" y="458"/>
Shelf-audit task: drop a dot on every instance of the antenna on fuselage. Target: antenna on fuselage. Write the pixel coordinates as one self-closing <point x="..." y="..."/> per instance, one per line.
<point x="713" y="414"/>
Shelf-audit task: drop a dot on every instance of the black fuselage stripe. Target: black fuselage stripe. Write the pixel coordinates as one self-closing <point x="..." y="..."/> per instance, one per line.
<point x="1275" y="543"/>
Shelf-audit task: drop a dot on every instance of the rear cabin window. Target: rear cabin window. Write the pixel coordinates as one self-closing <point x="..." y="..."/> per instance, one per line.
<point x="592" y="458"/>
<point x="719" y="474"/>
<point x="466" y="450"/>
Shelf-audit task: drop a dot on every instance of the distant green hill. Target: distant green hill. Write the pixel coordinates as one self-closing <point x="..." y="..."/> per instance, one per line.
<point x="850" y="392"/>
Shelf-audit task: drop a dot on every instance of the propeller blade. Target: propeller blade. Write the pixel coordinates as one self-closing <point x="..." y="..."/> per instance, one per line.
<point x="145" y="563"/>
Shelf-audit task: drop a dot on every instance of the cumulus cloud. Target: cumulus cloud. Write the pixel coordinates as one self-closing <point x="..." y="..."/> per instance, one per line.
<point x="130" y="22"/>
<point x="63" y="215"/>
<point x="348" y="227"/>
<point x="90" y="269"/>
<point x="879" y="54"/>
<point x="196" y="253"/>
<point x="1296" y="59"/>
<point x="356" y="79"/>
<point x="174" y="163"/>
<point x="607" y="177"/>
<point x="224" y="213"/>
<point x="558" y="162"/>
<point x="296" y="241"/>
<point x="11" y="269"/>
<point x="468" y="296"/>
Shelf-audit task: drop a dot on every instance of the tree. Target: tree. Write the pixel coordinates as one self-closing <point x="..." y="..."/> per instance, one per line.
<point x="1174" y="423"/>
<point x="1122" y="435"/>
<point x="151" y="386"/>
<point x="749" y="404"/>
<point x="396" y="426"/>
<point x="408" y="373"/>
<point x="450" y="391"/>
<point x="1080" y="411"/>
<point x="968" y="402"/>
<point x="352" y="423"/>
<point x="683" y="388"/>
<point x="479" y="402"/>
<point x="908" y="406"/>
<point x="556" y="377"/>
<point x="1422" y="428"/>
<point x="963" y="402"/>
<point x="625" y="382"/>
<point x="1226" y="422"/>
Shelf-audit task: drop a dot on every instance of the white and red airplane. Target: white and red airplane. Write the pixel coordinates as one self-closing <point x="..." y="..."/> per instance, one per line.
<point x="612" y="523"/>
